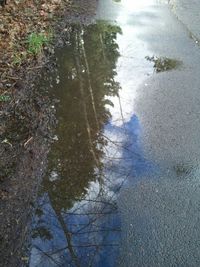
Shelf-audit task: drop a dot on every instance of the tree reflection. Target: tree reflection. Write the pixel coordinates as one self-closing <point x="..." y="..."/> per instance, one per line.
<point x="77" y="216"/>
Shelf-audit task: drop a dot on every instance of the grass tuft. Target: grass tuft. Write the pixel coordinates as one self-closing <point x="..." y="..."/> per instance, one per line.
<point x="36" y="42"/>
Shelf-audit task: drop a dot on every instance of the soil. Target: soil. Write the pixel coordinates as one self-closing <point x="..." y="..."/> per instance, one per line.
<point x="27" y="120"/>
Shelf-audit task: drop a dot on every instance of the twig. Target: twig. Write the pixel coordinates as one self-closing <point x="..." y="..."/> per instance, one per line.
<point x="28" y="141"/>
<point x="36" y="67"/>
<point x="13" y="78"/>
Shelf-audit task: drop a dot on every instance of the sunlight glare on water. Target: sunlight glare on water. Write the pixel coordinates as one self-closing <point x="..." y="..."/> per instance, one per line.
<point x="136" y="5"/>
<point x="132" y="67"/>
<point x="130" y="6"/>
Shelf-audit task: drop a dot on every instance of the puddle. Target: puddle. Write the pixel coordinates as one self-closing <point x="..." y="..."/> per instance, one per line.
<point x="96" y="146"/>
<point x="77" y="221"/>
<point x="183" y="170"/>
<point x="161" y="64"/>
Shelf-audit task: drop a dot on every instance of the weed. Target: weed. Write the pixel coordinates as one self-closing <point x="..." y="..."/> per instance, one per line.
<point x="5" y="98"/>
<point x="36" y="41"/>
<point x="19" y="58"/>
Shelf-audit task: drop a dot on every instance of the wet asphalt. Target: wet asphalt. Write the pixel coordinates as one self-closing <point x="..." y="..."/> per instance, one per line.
<point x="161" y="211"/>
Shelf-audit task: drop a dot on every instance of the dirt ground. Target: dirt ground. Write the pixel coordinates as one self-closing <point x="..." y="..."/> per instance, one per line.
<point x="27" y="119"/>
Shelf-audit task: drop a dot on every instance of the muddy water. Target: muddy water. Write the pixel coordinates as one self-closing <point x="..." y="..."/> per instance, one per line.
<point x="98" y="150"/>
<point x="77" y="219"/>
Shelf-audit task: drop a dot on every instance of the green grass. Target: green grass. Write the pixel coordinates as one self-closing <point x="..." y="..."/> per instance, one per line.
<point x="5" y="98"/>
<point x="36" y="42"/>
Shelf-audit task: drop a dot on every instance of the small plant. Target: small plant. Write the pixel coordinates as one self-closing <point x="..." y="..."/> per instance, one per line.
<point x="5" y="98"/>
<point x="36" y="41"/>
<point x="19" y="58"/>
